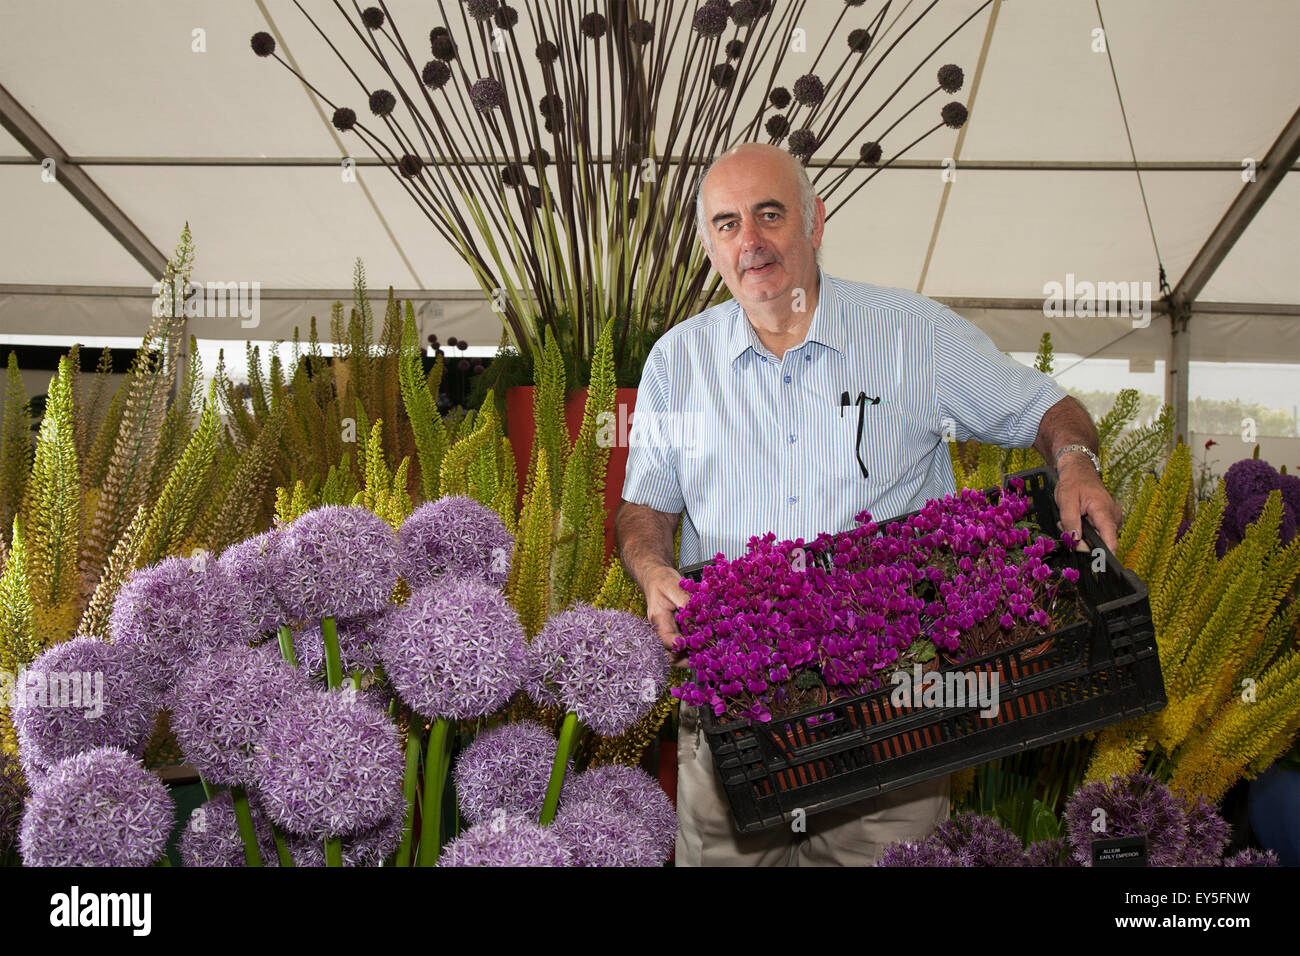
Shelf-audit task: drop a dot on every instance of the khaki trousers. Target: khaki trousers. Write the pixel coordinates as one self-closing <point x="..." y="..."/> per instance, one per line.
<point x="853" y="835"/>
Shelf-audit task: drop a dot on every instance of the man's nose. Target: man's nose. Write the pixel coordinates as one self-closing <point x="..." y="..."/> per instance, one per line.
<point x="750" y="238"/>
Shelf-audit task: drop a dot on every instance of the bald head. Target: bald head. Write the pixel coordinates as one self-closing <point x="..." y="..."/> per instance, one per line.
<point x="775" y="162"/>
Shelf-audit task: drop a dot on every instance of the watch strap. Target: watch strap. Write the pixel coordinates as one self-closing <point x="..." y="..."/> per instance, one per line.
<point x="1083" y="449"/>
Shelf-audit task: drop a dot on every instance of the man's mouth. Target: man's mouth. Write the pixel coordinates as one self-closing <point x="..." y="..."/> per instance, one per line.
<point x="762" y="270"/>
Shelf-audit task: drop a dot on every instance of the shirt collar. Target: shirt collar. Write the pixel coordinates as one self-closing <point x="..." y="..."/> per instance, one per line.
<point x="827" y="327"/>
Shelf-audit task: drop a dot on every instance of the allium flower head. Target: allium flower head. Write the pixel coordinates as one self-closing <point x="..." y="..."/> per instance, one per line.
<point x="1207" y="835"/>
<point x="1248" y="512"/>
<point x="212" y="838"/>
<point x="1252" y="857"/>
<point x="372" y="17"/>
<point x="977" y="840"/>
<point x="506" y="841"/>
<point x="1054" y="852"/>
<point x="223" y="703"/>
<point x="1289" y="485"/>
<point x="605" y="665"/>
<point x="593" y="26"/>
<point x="723" y="74"/>
<point x="368" y="848"/>
<point x="410" y="165"/>
<point x="779" y="97"/>
<point x="506" y="768"/>
<point x="382" y="102"/>
<point x="454" y="534"/>
<point x="630" y="790"/>
<point x="596" y="834"/>
<point x="442" y="46"/>
<point x="809" y="89"/>
<point x="954" y="115"/>
<point x="870" y="153"/>
<point x="743" y="12"/>
<point x="481" y="9"/>
<point x="97" y="808"/>
<point x="83" y="694"/>
<point x="735" y="49"/>
<point x="710" y="20"/>
<point x="454" y="649"/>
<point x="951" y="78"/>
<point x="435" y="74"/>
<point x="329" y="765"/>
<point x="859" y="40"/>
<point x="263" y="43"/>
<point x="358" y="644"/>
<point x="641" y="32"/>
<point x="777" y="126"/>
<point x="1137" y="805"/>
<point x="344" y="119"/>
<point x="339" y="560"/>
<point x="1249" y="477"/>
<point x="803" y="143"/>
<point x="252" y="567"/>
<point x="913" y="853"/>
<point x="12" y="794"/>
<point x="547" y="52"/>
<point x="506" y="17"/>
<point x="487" y="94"/>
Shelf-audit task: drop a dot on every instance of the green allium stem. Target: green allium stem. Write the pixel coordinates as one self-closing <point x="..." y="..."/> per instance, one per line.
<point x="286" y="645"/>
<point x="568" y="735"/>
<point x="435" y="772"/>
<point x="414" y="740"/>
<point x="281" y="848"/>
<point x="334" y="851"/>
<point x="333" y="666"/>
<point x="245" y="819"/>
<point x="208" y="792"/>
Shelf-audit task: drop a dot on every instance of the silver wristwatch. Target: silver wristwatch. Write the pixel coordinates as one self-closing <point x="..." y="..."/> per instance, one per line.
<point x="1096" y="462"/>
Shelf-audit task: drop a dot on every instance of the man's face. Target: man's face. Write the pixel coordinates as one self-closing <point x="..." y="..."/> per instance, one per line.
<point x="751" y="212"/>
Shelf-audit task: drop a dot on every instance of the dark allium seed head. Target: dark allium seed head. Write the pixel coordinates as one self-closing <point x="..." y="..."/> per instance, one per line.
<point x="854" y="3"/>
<point x="438" y="32"/>
<point x="462" y="344"/>
<point x="743" y="13"/>
<point x="641" y="32"/>
<point x="451" y="341"/>
<point x="263" y="43"/>
<point x="724" y="74"/>
<point x="512" y="176"/>
<point x="436" y="74"/>
<point x="779" y="97"/>
<point x="594" y="26"/>
<point x="777" y="126"/>
<point x="535" y="193"/>
<point x="344" y="119"/>
<point x="954" y="115"/>
<point x="803" y="142"/>
<point x="382" y="102"/>
<point x="443" y="46"/>
<point x="763" y="7"/>
<point x="710" y="20"/>
<point x="481" y="9"/>
<point x="539" y="154"/>
<point x="478" y="368"/>
<point x="859" y="41"/>
<point x="809" y="89"/>
<point x="462" y="365"/>
<point x="372" y="17"/>
<point x="411" y="165"/>
<point x="547" y="52"/>
<point x="487" y="94"/>
<point x="554" y="124"/>
<point x="735" y="50"/>
<point x="506" y="17"/>
<point x="433" y="338"/>
<point x="632" y="205"/>
<point x="951" y="78"/>
<point x="870" y="153"/>
<point x="550" y="105"/>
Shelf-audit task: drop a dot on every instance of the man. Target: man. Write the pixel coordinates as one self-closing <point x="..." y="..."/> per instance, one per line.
<point x="761" y="381"/>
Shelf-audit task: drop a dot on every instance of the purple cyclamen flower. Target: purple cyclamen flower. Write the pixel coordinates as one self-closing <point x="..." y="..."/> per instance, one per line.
<point x="455" y="649"/>
<point x="1207" y="835"/>
<point x="1252" y="857"/>
<point x="506" y="841"/>
<point x="79" y="695"/>
<point x="605" y="665"/>
<point x="977" y="840"/>
<point x="329" y="765"/>
<point x="358" y="645"/>
<point x="506" y="768"/>
<point x="340" y="561"/>
<point x="368" y="848"/>
<point x="1137" y="805"/>
<point x="97" y="808"/>
<point x="454" y="535"/>
<point x="596" y="834"/>
<point x="253" y="568"/>
<point x="630" y="790"/>
<point x="223" y="703"/>
<point x="212" y="838"/>
<point x="922" y="853"/>
<point x="1249" y="477"/>
<point x="1054" y="852"/>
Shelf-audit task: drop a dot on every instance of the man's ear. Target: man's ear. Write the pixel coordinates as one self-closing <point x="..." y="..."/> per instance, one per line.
<point x="819" y="222"/>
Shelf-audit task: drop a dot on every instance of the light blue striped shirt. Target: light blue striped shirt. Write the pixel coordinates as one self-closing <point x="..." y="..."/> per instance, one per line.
<point x="746" y="443"/>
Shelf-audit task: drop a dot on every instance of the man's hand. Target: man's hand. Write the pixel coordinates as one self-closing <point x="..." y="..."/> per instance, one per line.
<point x="1079" y="492"/>
<point x="663" y="596"/>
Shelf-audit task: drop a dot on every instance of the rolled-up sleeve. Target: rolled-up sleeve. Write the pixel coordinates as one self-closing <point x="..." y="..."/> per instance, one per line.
<point x="652" y="477"/>
<point x="983" y="394"/>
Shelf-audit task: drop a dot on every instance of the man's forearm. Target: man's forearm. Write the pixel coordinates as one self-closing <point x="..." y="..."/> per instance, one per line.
<point x="1065" y="423"/>
<point x="645" y="539"/>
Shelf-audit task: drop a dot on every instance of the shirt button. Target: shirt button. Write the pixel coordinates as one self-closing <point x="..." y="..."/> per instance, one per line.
<point x="787" y="378"/>
<point x="807" y="358"/>
<point x="793" y="499"/>
<point x="792" y="439"/>
<point x="763" y="357"/>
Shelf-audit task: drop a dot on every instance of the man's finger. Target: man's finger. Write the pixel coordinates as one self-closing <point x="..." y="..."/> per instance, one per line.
<point x="1103" y="519"/>
<point x="1069" y="505"/>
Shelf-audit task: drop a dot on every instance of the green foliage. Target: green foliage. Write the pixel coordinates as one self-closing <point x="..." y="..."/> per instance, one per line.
<point x="52" y="511"/>
<point x="15" y="444"/>
<point x="420" y="398"/>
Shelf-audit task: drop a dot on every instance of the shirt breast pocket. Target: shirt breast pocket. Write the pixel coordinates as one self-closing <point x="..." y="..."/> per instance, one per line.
<point x="877" y="447"/>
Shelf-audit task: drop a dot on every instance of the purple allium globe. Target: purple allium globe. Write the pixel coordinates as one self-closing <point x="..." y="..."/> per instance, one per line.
<point x="454" y="534"/>
<point x="809" y="89"/>
<point x="97" y="808"/>
<point x="597" y="834"/>
<point x="605" y="665"/>
<point x="506" y="768"/>
<point x="777" y="126"/>
<point x="251" y="568"/>
<point x="630" y="790"/>
<point x="1249" y="477"/>
<point x="212" y="838"/>
<point x="487" y="94"/>
<point x="953" y="115"/>
<point x="1248" y="512"/>
<point x="779" y="97"/>
<point x="358" y="644"/>
<point x="977" y="840"/>
<point x="1207" y="835"/>
<point x="338" y="560"/>
<point x="80" y="695"/>
<point x="870" y="153"/>
<point x="263" y="43"/>
<point x="1289" y="485"/>
<point x="223" y="703"/>
<point x="344" y="119"/>
<point x="710" y="20"/>
<point x="368" y="848"/>
<point x="1252" y="857"/>
<point x="506" y="841"/>
<point x="1054" y="852"/>
<point x="455" y="649"/>
<point x="951" y="78"/>
<point x="1137" y="805"/>
<point x="13" y="792"/>
<point x="435" y="74"/>
<point x="330" y="765"/>
<point x="382" y="102"/>
<point x="912" y="853"/>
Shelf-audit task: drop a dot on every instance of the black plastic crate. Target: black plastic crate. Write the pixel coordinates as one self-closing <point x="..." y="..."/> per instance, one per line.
<point x="1098" y="671"/>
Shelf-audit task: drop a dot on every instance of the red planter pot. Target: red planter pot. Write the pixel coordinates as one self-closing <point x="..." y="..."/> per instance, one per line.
<point x="521" y="426"/>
